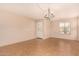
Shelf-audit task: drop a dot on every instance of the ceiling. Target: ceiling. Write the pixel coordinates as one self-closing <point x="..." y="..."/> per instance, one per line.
<point x="37" y="11"/>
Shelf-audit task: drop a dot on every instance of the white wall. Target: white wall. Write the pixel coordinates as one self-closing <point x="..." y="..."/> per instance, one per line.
<point x="51" y="29"/>
<point x="15" y="28"/>
<point x="55" y="29"/>
<point x="78" y="28"/>
<point x="47" y="31"/>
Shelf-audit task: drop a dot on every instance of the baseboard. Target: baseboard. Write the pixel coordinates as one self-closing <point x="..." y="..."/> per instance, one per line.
<point x="39" y="38"/>
<point x="64" y="39"/>
<point x="32" y="39"/>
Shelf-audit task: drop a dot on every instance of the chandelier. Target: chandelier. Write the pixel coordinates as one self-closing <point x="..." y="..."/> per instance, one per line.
<point x="47" y="15"/>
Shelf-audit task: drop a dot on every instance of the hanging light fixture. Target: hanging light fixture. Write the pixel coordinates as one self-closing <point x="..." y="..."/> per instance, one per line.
<point x="47" y="15"/>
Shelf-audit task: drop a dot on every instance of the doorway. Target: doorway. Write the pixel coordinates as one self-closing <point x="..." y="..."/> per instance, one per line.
<point x="39" y="29"/>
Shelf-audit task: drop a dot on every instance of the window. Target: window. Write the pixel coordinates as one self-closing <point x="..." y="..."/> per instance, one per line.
<point x="64" y="27"/>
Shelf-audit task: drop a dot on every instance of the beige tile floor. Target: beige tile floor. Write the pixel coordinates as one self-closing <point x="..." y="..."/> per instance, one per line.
<point x="40" y="47"/>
